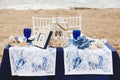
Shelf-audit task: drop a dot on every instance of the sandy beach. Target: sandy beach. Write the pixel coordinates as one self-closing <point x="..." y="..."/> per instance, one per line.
<point x="96" y="23"/>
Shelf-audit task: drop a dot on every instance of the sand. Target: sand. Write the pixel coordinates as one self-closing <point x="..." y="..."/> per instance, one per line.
<point x="96" y="23"/>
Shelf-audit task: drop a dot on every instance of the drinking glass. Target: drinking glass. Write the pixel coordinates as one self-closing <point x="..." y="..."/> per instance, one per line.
<point x="76" y="34"/>
<point x="27" y="33"/>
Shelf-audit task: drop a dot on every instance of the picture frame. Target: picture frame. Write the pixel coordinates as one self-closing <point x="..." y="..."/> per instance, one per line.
<point x="42" y="38"/>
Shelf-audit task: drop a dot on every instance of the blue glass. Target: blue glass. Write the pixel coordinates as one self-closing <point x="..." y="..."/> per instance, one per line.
<point x="27" y="33"/>
<point x="76" y="34"/>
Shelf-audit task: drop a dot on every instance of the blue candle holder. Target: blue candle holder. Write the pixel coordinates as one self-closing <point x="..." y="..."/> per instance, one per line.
<point x="76" y="34"/>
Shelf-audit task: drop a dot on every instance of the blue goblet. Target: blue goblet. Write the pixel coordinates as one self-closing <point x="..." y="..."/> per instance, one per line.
<point x="76" y="34"/>
<point x="27" y="33"/>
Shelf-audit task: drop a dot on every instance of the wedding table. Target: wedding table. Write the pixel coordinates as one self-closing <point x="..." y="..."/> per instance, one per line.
<point x="5" y="70"/>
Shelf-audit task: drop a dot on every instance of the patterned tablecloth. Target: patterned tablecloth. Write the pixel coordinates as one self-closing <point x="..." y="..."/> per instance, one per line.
<point x="32" y="61"/>
<point x="87" y="61"/>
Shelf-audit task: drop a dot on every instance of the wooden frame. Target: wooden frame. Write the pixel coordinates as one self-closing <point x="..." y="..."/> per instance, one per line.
<point x="42" y="38"/>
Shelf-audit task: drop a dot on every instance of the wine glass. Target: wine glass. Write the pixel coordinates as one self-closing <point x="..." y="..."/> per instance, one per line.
<point x="76" y="34"/>
<point x="27" y="33"/>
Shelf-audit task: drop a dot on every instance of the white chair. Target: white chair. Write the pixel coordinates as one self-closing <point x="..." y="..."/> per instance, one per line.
<point x="39" y="22"/>
<point x="72" y="23"/>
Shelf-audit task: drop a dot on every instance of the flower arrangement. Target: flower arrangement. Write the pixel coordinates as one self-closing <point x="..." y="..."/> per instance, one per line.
<point x="81" y="42"/>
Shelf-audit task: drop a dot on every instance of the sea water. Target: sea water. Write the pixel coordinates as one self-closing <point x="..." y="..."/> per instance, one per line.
<point x="58" y="4"/>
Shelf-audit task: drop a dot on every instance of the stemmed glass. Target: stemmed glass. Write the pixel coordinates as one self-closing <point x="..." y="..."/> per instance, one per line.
<point x="27" y="33"/>
<point x="76" y="34"/>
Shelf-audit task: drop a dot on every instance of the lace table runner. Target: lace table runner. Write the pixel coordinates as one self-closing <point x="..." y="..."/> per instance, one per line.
<point x="87" y="61"/>
<point x="32" y="61"/>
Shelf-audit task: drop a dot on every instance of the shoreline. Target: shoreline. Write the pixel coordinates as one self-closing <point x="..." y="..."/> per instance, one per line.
<point x="71" y="8"/>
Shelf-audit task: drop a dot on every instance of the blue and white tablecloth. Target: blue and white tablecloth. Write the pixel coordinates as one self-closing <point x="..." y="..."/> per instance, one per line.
<point x="88" y="61"/>
<point x="32" y="61"/>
